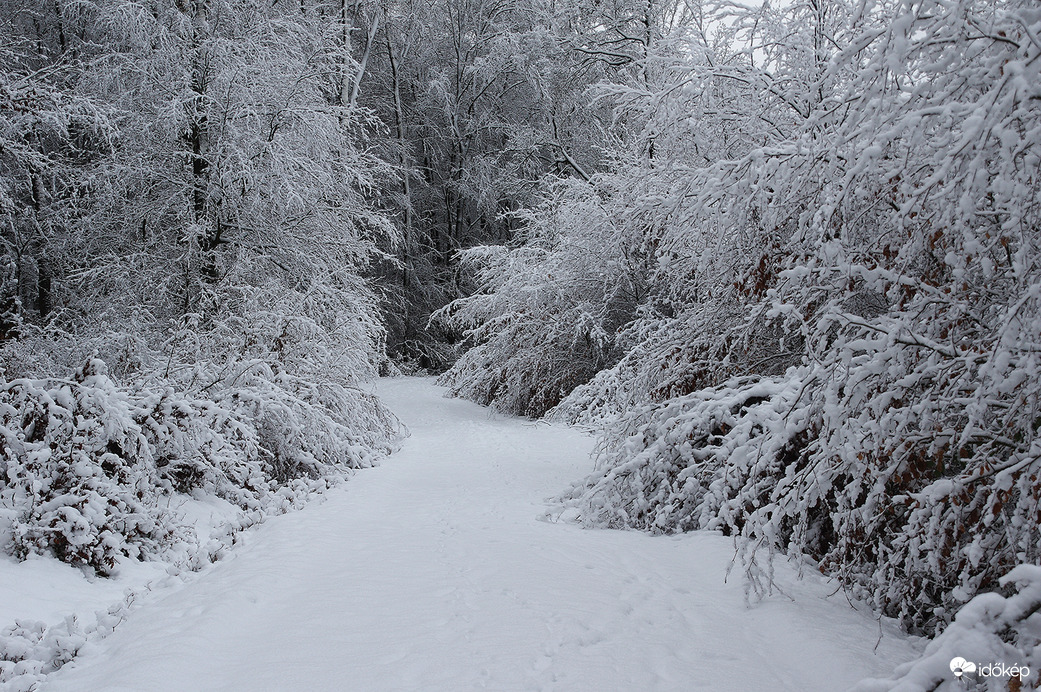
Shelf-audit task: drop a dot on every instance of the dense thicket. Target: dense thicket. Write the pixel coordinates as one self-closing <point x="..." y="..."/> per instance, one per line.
<point x="807" y="301"/>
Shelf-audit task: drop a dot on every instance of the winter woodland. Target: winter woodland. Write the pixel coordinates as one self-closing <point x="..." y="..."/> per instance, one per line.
<point x="783" y="259"/>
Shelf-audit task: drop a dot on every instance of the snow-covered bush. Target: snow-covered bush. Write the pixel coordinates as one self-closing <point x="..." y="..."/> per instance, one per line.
<point x="86" y="463"/>
<point x="677" y="466"/>
<point x="992" y="628"/>
<point x="79" y="471"/>
<point x="911" y="526"/>
<point x="29" y="650"/>
<point x="294" y="365"/>
<point x="546" y="315"/>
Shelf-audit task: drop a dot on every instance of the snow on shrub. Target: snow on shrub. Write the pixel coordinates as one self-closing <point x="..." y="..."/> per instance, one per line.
<point x="998" y="635"/>
<point x="678" y="466"/>
<point x="86" y="463"/>
<point x="844" y="465"/>
<point x="303" y="429"/>
<point x="545" y="316"/>
<point x="291" y="367"/>
<point x="79" y="469"/>
<point x="29" y="650"/>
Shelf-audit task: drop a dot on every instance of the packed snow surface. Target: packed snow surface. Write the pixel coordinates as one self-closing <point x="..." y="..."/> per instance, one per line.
<point x="435" y="572"/>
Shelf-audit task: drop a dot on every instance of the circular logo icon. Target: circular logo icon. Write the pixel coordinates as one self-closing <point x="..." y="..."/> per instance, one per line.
<point x="959" y="666"/>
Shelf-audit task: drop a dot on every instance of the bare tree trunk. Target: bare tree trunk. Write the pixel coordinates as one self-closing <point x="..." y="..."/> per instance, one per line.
<point x="407" y="233"/>
<point x="370" y="37"/>
<point x="344" y="79"/>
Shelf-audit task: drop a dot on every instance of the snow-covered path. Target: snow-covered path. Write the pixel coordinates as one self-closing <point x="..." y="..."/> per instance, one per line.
<point x="433" y="572"/>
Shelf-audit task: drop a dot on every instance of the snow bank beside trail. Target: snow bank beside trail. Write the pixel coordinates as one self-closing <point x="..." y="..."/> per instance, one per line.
<point x="42" y="589"/>
<point x="433" y="573"/>
<point x="55" y="608"/>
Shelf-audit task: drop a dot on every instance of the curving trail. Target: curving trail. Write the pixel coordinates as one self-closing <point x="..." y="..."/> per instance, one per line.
<point x="433" y="573"/>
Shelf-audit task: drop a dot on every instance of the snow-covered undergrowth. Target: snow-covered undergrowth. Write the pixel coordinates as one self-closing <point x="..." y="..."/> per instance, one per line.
<point x="54" y="609"/>
<point x="906" y="469"/>
<point x="86" y="463"/>
<point x="778" y="461"/>
<point x="30" y="648"/>
<point x="990" y="629"/>
<point x="545" y="318"/>
<point x="95" y="474"/>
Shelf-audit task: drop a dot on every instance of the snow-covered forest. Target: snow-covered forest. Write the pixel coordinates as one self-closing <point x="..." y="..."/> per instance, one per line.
<point x="782" y="259"/>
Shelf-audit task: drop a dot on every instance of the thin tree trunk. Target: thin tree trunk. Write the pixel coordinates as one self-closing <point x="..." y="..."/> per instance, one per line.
<point x="369" y="40"/>
<point x="407" y="250"/>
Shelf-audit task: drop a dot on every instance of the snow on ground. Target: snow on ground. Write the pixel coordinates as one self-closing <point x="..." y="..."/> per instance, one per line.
<point x="46" y="590"/>
<point x="433" y="572"/>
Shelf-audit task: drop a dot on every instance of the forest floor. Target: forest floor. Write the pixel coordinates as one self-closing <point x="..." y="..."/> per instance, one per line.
<point x="438" y="571"/>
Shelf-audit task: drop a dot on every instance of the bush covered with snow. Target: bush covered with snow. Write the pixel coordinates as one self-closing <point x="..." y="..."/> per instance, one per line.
<point x="998" y="634"/>
<point x="545" y="317"/>
<point x="87" y="463"/>
<point x="774" y="460"/>
<point x="30" y="649"/>
<point x="79" y="471"/>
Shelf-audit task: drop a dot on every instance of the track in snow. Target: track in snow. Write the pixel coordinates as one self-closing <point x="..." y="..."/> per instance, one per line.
<point x="433" y="573"/>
